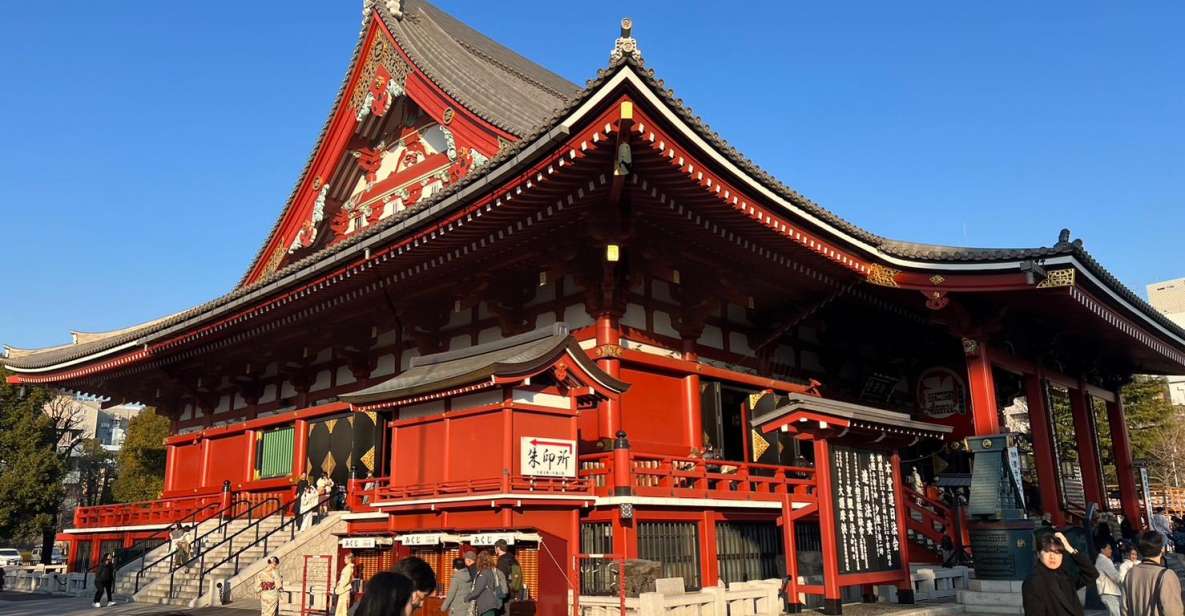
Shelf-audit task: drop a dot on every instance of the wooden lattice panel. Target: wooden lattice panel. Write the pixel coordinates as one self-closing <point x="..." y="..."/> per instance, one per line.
<point x="370" y="562"/>
<point x="528" y="559"/>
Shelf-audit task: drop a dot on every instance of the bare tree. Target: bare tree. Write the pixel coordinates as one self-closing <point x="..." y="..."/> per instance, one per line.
<point x="67" y="415"/>
<point x="1166" y="448"/>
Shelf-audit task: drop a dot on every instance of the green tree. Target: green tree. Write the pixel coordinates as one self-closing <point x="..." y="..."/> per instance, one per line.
<point x="1148" y="408"/>
<point x="96" y="472"/>
<point x="140" y="468"/>
<point x="31" y="471"/>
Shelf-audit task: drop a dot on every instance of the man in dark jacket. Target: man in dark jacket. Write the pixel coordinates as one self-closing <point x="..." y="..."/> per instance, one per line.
<point x="105" y="580"/>
<point x="1051" y="590"/>
<point x="510" y="568"/>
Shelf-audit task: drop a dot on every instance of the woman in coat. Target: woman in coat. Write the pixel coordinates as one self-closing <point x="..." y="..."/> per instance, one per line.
<point x="484" y="593"/>
<point x="268" y="584"/>
<point x="454" y="602"/>
<point x="1051" y="590"/>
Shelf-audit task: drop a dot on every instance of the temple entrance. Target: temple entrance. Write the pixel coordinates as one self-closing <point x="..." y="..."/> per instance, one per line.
<point x="723" y="419"/>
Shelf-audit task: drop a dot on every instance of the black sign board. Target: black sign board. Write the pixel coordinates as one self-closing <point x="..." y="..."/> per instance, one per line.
<point x="864" y="495"/>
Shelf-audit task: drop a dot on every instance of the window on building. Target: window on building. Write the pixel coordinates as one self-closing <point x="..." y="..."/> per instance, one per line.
<point x="595" y="575"/>
<point x="274" y="457"/>
<point x="747" y="551"/>
<point x="676" y="546"/>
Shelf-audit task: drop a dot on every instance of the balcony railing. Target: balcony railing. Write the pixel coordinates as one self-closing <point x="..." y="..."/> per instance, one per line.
<point x="363" y="493"/>
<point x="162" y="511"/>
<point x="673" y="476"/>
<point x="142" y="513"/>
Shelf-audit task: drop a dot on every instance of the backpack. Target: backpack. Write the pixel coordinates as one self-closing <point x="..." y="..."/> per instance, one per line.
<point x="500" y="587"/>
<point x="516" y="579"/>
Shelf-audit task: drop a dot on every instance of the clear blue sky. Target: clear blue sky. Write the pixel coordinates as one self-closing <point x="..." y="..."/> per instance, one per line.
<point x="146" y="147"/>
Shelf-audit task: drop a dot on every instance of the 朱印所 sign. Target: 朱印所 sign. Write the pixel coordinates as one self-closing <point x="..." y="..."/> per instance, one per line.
<point x="547" y="457"/>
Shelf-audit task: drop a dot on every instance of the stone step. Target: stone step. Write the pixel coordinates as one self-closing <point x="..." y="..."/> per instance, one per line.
<point x="976" y="599"/>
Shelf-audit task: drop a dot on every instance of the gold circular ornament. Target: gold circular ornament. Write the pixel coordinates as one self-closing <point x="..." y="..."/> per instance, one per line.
<point x="986" y="443"/>
<point x="448" y="115"/>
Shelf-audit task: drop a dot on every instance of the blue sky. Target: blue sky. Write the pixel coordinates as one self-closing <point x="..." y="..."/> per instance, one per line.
<point x="147" y="147"/>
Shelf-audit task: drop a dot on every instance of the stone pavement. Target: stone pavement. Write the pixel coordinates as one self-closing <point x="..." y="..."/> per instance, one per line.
<point x="27" y="604"/>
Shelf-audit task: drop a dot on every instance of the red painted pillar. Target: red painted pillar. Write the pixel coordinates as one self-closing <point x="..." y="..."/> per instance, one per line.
<point x="1088" y="447"/>
<point x="905" y="584"/>
<point x="205" y="462"/>
<point x="170" y="468"/>
<point x="790" y="547"/>
<point x="691" y="400"/>
<point x="609" y="335"/>
<point x="710" y="567"/>
<point x="300" y="448"/>
<point x="1041" y="429"/>
<point x="985" y="418"/>
<point x="1122" y="451"/>
<point x="831" y="594"/>
<point x="252" y="451"/>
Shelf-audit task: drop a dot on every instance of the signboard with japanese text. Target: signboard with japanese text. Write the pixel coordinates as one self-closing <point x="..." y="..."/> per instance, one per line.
<point x="941" y="393"/>
<point x="357" y="542"/>
<point x="420" y="539"/>
<point x="865" y="510"/>
<point x="489" y="538"/>
<point x="547" y="457"/>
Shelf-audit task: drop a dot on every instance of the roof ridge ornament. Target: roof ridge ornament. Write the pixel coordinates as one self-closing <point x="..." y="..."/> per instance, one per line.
<point x="626" y="45"/>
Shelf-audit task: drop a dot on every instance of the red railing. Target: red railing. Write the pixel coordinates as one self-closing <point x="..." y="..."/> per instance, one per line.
<point x="142" y="513"/>
<point x="164" y="510"/>
<point x="673" y="476"/>
<point x="931" y="520"/>
<point x="650" y="475"/>
<point x="363" y="493"/>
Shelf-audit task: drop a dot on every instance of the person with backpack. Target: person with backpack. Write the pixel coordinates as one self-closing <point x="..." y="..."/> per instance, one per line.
<point x="487" y="593"/>
<point x="1151" y="589"/>
<point x="511" y="570"/>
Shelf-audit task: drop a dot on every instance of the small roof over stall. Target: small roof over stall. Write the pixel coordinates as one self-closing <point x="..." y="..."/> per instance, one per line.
<point x="506" y="359"/>
<point x="814" y="410"/>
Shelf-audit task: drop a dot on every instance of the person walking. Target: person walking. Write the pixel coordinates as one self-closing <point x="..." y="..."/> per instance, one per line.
<point x="1151" y="589"/>
<point x="484" y="588"/>
<point x="1051" y="590"/>
<point x="105" y="580"/>
<point x="324" y="490"/>
<point x="345" y="585"/>
<point x="510" y="568"/>
<point x="268" y="585"/>
<point x="454" y="603"/>
<point x="1108" y="582"/>
<point x="308" y="507"/>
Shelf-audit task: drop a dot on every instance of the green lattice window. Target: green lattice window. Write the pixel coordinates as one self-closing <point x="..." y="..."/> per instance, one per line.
<point x="275" y="453"/>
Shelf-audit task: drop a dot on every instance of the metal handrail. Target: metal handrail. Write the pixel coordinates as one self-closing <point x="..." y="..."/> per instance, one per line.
<point x="290" y="523"/>
<point x="168" y="532"/>
<point x="222" y="525"/>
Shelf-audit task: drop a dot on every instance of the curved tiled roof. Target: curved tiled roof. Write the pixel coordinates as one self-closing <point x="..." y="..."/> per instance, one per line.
<point x="440" y="201"/>
<point x="513" y="355"/>
<point x="498" y="85"/>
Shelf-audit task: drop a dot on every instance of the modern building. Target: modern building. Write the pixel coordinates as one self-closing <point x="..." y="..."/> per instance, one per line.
<point x="499" y="305"/>
<point x="1169" y="298"/>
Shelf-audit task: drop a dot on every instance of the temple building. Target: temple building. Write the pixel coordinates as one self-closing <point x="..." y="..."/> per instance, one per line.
<point x="499" y="305"/>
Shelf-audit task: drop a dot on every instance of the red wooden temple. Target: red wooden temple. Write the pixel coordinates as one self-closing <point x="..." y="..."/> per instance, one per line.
<point x="500" y="305"/>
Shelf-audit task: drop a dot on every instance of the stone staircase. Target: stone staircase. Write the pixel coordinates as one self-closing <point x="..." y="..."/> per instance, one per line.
<point x="125" y="577"/>
<point x="185" y="589"/>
